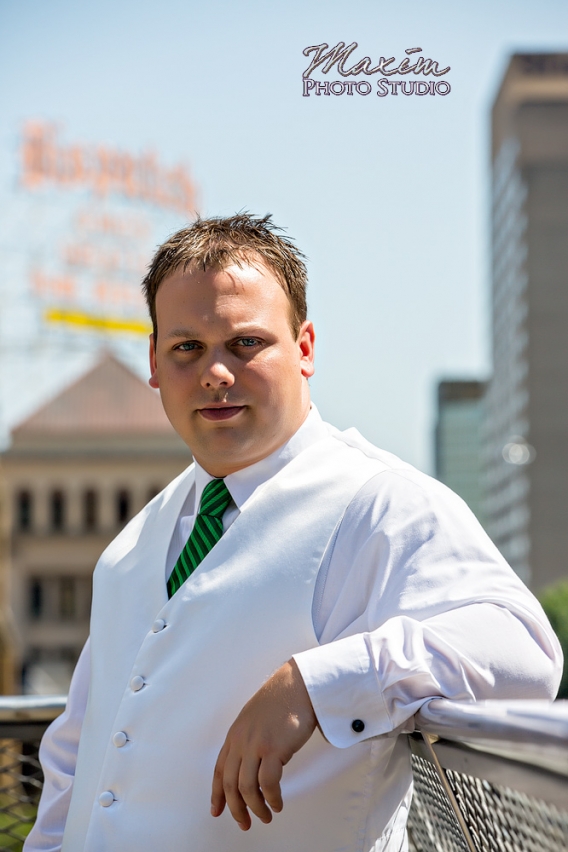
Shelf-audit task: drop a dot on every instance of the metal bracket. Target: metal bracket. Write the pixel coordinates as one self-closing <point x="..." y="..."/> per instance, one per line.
<point x="429" y="740"/>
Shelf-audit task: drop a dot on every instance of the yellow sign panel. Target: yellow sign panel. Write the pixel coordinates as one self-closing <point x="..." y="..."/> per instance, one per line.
<point x="94" y="252"/>
<point x="98" y="323"/>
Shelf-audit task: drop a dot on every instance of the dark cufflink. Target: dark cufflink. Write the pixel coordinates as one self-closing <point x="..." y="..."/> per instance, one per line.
<point x="358" y="726"/>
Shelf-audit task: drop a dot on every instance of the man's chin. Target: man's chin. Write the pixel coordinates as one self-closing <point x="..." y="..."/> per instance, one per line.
<point x="225" y="451"/>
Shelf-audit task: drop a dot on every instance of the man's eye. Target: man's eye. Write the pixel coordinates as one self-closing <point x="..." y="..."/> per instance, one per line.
<point x="187" y="347"/>
<point x="247" y="341"/>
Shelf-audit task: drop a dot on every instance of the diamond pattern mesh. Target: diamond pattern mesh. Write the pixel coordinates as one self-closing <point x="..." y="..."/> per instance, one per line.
<point x="21" y="781"/>
<point x="500" y="819"/>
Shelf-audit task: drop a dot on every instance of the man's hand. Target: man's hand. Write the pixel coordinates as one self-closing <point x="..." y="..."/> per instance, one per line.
<point x="277" y="721"/>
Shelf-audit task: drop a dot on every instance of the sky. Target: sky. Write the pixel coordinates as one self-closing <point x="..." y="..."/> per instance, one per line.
<point x="387" y="196"/>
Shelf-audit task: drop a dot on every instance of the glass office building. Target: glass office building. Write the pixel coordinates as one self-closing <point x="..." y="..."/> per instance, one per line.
<point x="526" y="429"/>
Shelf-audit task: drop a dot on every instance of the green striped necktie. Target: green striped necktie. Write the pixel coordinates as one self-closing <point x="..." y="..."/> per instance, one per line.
<point x="206" y="532"/>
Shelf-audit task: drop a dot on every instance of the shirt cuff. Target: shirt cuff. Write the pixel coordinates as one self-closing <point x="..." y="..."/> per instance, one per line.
<point x="344" y="689"/>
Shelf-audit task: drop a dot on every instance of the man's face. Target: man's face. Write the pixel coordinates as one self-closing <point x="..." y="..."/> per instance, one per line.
<point x="232" y="378"/>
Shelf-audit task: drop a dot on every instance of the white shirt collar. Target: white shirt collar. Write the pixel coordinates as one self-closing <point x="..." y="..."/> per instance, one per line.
<point x="243" y="483"/>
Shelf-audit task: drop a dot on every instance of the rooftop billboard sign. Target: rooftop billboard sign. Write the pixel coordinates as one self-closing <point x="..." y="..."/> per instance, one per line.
<point x="83" y="222"/>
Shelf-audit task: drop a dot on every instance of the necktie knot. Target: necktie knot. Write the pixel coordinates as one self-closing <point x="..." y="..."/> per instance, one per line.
<point x="215" y="499"/>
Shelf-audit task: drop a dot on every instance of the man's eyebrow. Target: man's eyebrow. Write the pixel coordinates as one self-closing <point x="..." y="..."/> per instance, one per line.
<point x="240" y="330"/>
<point x="180" y="332"/>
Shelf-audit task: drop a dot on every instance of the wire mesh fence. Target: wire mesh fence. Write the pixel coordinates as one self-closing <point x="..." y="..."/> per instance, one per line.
<point x="21" y="781"/>
<point x="505" y="819"/>
<point x="23" y="720"/>
<point x="500" y="819"/>
<point x="432" y="824"/>
<point x="490" y="777"/>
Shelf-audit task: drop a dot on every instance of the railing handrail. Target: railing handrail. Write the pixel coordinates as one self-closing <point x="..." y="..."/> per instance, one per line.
<point x="31" y="708"/>
<point x="531" y="732"/>
<point x="545" y="721"/>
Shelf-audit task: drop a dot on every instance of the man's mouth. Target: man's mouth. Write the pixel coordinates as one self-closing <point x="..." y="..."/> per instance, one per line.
<point x="220" y="412"/>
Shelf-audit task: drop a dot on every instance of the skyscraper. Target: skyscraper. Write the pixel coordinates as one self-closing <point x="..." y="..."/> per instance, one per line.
<point x="458" y="440"/>
<point x="527" y="398"/>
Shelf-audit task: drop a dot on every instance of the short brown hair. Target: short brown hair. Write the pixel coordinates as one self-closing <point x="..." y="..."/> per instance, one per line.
<point x="219" y="242"/>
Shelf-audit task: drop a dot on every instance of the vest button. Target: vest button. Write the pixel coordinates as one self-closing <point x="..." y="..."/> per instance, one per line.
<point x="358" y="726"/>
<point x="106" y="799"/>
<point x="158" y="625"/>
<point x="119" y="739"/>
<point x="136" y="683"/>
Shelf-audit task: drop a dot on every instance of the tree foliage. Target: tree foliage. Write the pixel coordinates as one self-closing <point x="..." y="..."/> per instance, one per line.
<point x="554" y="600"/>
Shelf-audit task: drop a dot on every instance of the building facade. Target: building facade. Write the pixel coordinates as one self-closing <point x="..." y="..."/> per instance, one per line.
<point x="458" y="440"/>
<point x="77" y="470"/>
<point x="7" y="632"/>
<point x="527" y="399"/>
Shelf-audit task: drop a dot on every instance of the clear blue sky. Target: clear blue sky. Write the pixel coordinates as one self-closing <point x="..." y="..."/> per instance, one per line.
<point x="388" y="197"/>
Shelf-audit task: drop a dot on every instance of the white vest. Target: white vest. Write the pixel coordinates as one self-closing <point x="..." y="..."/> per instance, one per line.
<point x="173" y="691"/>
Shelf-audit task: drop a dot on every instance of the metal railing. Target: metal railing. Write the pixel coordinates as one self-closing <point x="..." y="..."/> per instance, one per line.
<point x="23" y="720"/>
<point x="488" y="777"/>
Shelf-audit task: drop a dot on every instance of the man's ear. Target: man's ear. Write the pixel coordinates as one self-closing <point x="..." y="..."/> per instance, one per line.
<point x="153" y="380"/>
<point x="306" y="342"/>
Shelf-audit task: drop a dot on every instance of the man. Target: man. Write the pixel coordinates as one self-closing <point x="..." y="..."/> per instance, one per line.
<point x="292" y="598"/>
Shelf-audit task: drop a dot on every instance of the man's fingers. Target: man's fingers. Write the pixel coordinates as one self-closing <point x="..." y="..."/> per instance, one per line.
<point x="252" y="783"/>
<point x="272" y="726"/>
<point x="235" y="801"/>
<point x="250" y="790"/>
<point x="269" y="775"/>
<point x="217" y="792"/>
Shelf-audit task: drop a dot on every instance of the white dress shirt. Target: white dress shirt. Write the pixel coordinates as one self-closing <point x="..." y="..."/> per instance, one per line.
<point x="438" y="613"/>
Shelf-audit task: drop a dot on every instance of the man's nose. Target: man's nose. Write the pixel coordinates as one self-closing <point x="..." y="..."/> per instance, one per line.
<point x="217" y="373"/>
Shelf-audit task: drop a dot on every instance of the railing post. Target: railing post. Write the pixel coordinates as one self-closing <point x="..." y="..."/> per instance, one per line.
<point x="429" y="740"/>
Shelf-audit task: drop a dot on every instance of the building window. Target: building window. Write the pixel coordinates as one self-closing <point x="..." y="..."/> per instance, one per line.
<point x="57" y="510"/>
<point x="60" y="598"/>
<point x="36" y="599"/>
<point x="122" y="506"/>
<point x="90" y="509"/>
<point x="24" y="511"/>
